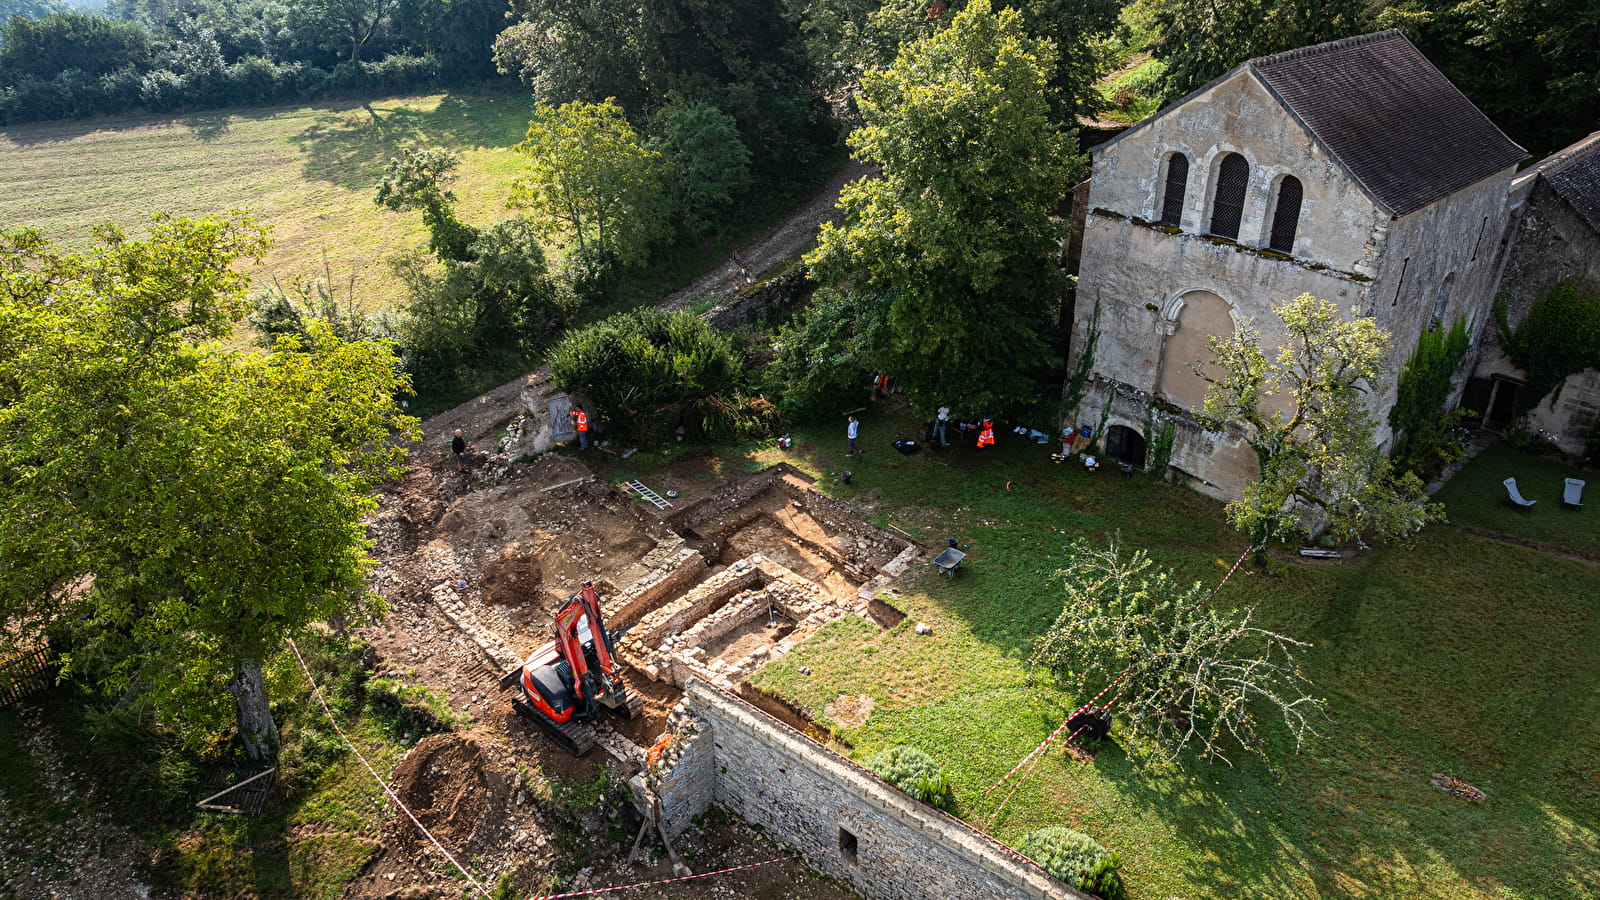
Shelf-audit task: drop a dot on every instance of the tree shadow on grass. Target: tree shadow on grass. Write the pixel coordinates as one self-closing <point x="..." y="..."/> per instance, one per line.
<point x="350" y="147"/>
<point x="209" y="127"/>
<point x="1362" y="820"/>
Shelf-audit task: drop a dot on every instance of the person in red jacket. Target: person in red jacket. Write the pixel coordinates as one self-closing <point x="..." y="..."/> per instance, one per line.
<point x="580" y="420"/>
<point x="986" y="435"/>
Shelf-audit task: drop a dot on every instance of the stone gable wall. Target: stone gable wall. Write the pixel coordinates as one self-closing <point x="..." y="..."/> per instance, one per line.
<point x="805" y="796"/>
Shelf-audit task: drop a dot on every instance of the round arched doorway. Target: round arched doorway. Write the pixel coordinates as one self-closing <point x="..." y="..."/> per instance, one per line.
<point x="1123" y="444"/>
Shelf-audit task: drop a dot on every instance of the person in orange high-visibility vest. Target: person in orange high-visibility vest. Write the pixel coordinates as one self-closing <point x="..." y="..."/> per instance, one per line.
<point x="580" y="420"/>
<point x="986" y="436"/>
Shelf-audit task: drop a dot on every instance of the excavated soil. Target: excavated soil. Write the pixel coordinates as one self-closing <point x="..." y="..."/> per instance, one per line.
<point x="849" y="710"/>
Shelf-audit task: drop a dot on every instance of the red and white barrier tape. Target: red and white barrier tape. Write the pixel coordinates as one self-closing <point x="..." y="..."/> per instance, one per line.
<point x="644" y="884"/>
<point x="1046" y="742"/>
<point x="995" y="816"/>
<point x="999" y="809"/>
<point x="393" y="798"/>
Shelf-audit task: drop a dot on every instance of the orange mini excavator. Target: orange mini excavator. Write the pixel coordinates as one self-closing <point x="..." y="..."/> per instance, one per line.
<point x="565" y="682"/>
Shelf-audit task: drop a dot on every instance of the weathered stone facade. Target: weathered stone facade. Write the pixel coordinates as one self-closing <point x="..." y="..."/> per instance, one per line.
<point x="851" y="824"/>
<point x="1165" y="282"/>
<point x="1551" y="241"/>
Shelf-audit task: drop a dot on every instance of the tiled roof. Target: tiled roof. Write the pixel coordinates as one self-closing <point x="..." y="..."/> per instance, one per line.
<point x="1389" y="117"/>
<point x="1575" y="175"/>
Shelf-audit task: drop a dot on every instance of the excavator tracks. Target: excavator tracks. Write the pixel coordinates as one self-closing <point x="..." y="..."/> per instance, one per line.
<point x="576" y="738"/>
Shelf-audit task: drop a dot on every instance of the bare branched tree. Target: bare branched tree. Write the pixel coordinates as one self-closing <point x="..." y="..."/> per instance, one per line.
<point x="1194" y="676"/>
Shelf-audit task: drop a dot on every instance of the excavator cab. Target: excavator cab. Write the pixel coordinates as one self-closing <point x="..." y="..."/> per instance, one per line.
<point x="565" y="682"/>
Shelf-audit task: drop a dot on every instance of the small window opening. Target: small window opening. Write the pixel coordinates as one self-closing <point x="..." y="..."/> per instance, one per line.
<point x="1401" y="284"/>
<point x="1481" y="229"/>
<point x="1177" y="183"/>
<point x="1227" y="209"/>
<point x="847" y="845"/>
<point x="1286" y="217"/>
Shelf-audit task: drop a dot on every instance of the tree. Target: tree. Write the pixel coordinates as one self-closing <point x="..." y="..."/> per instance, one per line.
<point x="707" y="165"/>
<point x="420" y="178"/>
<point x="356" y="22"/>
<point x="1191" y="675"/>
<point x="30" y="9"/>
<point x="91" y="44"/>
<point x="460" y="33"/>
<point x="648" y="372"/>
<point x="1202" y="39"/>
<point x="576" y="51"/>
<point x="956" y="237"/>
<point x="742" y="56"/>
<point x="1306" y="416"/>
<point x="822" y="363"/>
<point x="589" y="179"/>
<point x="171" y="510"/>
<point x="1533" y="66"/>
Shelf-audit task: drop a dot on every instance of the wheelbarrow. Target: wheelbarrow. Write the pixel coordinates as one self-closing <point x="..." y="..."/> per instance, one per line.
<point x="949" y="560"/>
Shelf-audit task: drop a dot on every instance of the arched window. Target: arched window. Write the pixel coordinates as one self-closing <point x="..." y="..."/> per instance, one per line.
<point x="1286" y="216"/>
<point x="1228" y="206"/>
<point x="1177" y="183"/>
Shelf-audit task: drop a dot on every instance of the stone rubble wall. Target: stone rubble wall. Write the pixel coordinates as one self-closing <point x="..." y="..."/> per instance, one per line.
<point x="671" y="568"/>
<point x="804" y="796"/>
<point x="684" y="778"/>
<point x="704" y="599"/>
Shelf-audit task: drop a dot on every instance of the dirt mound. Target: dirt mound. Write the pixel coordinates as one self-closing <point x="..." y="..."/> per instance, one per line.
<point x="849" y="710"/>
<point x="451" y="785"/>
<point x="510" y="577"/>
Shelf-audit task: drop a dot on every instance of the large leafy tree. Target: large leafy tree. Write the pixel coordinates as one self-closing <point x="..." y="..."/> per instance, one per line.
<point x="353" y="23"/>
<point x="706" y="163"/>
<point x="1190" y="674"/>
<point x="846" y="38"/>
<point x="742" y="56"/>
<point x="1533" y="66"/>
<point x="171" y="510"/>
<point x="89" y="43"/>
<point x="956" y="237"/>
<point x="1306" y="413"/>
<point x="1201" y="39"/>
<point x="590" y="180"/>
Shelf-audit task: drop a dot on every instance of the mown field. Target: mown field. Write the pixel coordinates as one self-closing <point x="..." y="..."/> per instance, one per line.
<point x="309" y="171"/>
<point x="1461" y="654"/>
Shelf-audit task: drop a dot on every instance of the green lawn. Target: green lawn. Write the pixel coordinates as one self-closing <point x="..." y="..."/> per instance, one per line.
<point x="1460" y="654"/>
<point x="1476" y="498"/>
<point x="309" y="171"/>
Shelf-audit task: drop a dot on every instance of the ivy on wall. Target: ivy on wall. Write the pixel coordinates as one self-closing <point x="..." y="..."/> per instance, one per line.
<point x="1425" y="381"/>
<point x="1560" y="337"/>
<point x="1430" y="438"/>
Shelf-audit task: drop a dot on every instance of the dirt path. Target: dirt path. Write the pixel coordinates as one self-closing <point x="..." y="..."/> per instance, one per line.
<point x="481" y="418"/>
<point x="763" y="256"/>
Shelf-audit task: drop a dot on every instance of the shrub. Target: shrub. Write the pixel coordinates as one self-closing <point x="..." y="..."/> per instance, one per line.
<point x="648" y="372"/>
<point x="1105" y="880"/>
<point x="1075" y="858"/>
<point x="914" y="772"/>
<point x="822" y="364"/>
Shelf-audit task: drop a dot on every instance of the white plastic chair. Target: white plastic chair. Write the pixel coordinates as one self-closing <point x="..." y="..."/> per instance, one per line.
<point x="1516" y="495"/>
<point x="1573" y="495"/>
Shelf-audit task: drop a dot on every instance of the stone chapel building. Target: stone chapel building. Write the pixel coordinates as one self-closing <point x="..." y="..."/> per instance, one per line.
<point x="1353" y="170"/>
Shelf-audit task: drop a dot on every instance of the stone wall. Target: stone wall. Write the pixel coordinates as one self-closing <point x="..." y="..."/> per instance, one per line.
<point x="1550" y="243"/>
<point x="758" y="301"/>
<point x="854" y="826"/>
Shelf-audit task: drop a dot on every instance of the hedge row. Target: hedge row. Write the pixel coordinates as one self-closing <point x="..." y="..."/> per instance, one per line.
<point x="252" y="81"/>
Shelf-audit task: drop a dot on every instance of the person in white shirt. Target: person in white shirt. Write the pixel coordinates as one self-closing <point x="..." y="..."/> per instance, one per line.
<point x="939" y="424"/>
